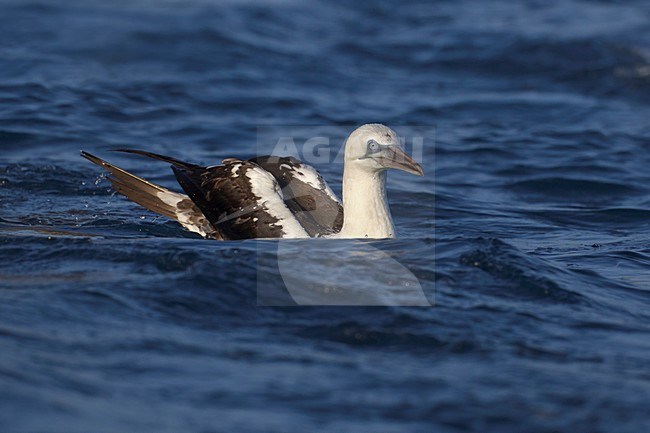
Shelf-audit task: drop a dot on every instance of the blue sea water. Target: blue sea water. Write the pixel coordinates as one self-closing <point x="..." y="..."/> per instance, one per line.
<point x="530" y="232"/>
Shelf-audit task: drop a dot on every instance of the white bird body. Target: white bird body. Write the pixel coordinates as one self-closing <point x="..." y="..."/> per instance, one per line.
<point x="365" y="206"/>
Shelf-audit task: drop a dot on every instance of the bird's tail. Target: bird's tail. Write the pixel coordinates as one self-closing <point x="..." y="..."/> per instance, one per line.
<point x="155" y="198"/>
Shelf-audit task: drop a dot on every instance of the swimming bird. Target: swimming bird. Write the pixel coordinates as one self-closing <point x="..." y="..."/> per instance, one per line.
<point x="276" y="197"/>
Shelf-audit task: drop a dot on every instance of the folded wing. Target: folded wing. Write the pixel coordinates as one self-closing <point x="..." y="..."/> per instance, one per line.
<point x="306" y="193"/>
<point x="241" y="200"/>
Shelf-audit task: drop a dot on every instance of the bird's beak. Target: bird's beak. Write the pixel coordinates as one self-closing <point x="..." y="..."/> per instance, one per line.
<point x="395" y="157"/>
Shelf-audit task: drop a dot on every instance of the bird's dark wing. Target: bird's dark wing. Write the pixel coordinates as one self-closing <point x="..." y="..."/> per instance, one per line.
<point x="240" y="199"/>
<point x="306" y="193"/>
<point x="169" y="159"/>
<point x="157" y="199"/>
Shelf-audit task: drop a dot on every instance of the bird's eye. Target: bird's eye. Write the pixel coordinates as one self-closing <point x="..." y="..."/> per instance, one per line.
<point x="373" y="146"/>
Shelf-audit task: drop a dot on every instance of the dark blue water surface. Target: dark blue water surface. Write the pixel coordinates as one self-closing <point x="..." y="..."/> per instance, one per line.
<point x="530" y="232"/>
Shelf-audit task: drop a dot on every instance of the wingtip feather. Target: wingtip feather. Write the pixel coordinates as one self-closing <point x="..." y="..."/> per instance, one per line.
<point x="92" y="158"/>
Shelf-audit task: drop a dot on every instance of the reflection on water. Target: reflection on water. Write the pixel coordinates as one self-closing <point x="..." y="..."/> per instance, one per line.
<point x="342" y="272"/>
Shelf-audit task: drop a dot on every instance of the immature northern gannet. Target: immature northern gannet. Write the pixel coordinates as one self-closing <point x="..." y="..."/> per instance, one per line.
<point x="276" y="197"/>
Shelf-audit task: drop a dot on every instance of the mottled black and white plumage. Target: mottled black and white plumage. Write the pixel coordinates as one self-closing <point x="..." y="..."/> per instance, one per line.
<point x="266" y="197"/>
<point x="274" y="197"/>
<point x="306" y="194"/>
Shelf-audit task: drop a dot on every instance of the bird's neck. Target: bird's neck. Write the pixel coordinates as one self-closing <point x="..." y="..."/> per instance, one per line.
<point x="365" y="208"/>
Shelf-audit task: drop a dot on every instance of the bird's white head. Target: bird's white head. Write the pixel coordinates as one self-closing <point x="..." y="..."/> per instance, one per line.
<point x="375" y="148"/>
